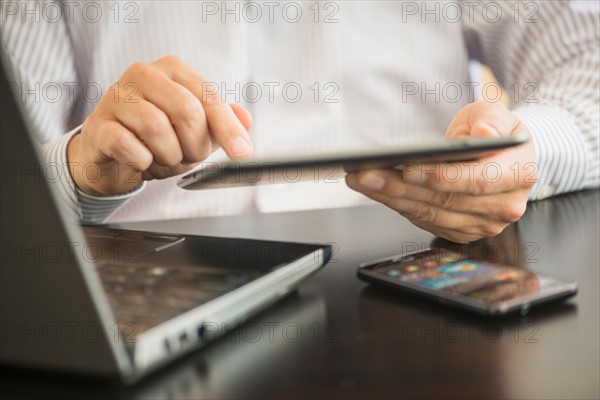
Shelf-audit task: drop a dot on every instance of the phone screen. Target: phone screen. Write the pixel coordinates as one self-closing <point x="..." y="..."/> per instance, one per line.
<point x="479" y="281"/>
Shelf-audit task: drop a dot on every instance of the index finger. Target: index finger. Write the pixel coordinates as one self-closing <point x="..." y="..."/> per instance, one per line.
<point x="223" y="123"/>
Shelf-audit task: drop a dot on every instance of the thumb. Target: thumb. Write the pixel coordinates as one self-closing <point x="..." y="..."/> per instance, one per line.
<point x="482" y="119"/>
<point x="492" y="120"/>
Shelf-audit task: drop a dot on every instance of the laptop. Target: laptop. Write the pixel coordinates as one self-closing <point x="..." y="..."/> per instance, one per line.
<point x="116" y="303"/>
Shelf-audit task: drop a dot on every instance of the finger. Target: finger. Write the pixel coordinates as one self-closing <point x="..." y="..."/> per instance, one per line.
<point x="440" y="220"/>
<point x="186" y="114"/>
<point x="152" y="126"/>
<point x="243" y="115"/>
<point x="223" y="123"/>
<point x="118" y="143"/>
<point x="430" y="214"/>
<point x="156" y="171"/>
<point x="483" y="119"/>
<point x="505" y="207"/>
<point x="502" y="172"/>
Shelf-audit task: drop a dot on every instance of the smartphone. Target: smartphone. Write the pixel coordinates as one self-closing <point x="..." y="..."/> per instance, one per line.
<point x="331" y="167"/>
<point x="454" y="279"/>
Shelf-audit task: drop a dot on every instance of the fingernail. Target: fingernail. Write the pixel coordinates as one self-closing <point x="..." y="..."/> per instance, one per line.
<point x="372" y="182"/>
<point x="240" y="146"/>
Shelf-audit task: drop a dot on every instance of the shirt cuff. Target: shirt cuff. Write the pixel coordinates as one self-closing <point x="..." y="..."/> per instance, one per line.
<point x="83" y="207"/>
<point x="96" y="209"/>
<point x="55" y="158"/>
<point x="559" y="149"/>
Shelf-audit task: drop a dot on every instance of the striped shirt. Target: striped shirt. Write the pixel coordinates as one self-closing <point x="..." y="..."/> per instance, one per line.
<point x="317" y="76"/>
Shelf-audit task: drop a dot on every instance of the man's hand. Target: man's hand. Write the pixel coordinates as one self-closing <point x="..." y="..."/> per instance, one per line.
<point x="463" y="201"/>
<point x="157" y="121"/>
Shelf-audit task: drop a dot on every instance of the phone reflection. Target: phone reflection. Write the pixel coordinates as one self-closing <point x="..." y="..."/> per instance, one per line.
<point x="430" y="350"/>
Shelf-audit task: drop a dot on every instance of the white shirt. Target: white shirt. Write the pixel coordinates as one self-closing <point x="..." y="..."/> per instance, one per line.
<point x="331" y="76"/>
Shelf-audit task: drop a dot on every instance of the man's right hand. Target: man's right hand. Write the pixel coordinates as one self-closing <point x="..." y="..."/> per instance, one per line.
<point x="158" y="120"/>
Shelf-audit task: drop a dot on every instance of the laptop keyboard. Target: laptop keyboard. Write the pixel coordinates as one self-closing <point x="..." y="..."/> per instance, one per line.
<point x="146" y="295"/>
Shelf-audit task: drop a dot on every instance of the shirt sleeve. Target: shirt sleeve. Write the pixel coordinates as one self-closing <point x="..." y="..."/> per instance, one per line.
<point x="546" y="54"/>
<point x="42" y="60"/>
<point x="87" y="208"/>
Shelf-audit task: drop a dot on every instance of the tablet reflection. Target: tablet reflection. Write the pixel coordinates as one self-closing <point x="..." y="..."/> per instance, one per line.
<point x="280" y="339"/>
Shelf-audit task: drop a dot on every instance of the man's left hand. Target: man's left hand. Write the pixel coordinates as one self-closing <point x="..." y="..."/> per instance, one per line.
<point x="461" y="201"/>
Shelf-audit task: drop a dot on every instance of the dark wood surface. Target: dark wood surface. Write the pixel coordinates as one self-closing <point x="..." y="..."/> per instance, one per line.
<point x="339" y="337"/>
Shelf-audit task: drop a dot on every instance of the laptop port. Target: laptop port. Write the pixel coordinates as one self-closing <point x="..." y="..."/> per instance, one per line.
<point x="201" y="332"/>
<point x="167" y="346"/>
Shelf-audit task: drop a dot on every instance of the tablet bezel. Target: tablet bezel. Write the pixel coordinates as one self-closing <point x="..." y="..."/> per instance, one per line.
<point x="332" y="166"/>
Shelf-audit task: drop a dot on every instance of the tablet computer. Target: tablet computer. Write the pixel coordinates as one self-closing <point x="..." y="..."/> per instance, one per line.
<point x="330" y="167"/>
